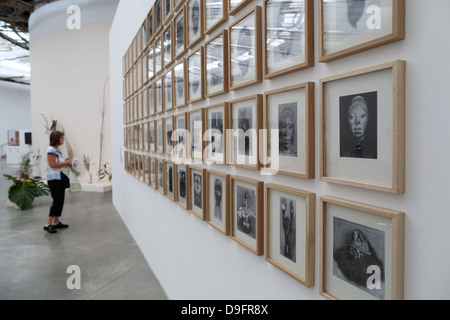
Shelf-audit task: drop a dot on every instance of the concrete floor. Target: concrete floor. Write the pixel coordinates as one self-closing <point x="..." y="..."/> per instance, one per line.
<point x="33" y="263"/>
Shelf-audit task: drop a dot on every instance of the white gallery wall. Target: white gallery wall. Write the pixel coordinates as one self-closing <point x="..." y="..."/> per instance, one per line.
<point x="192" y="260"/>
<point x="70" y="76"/>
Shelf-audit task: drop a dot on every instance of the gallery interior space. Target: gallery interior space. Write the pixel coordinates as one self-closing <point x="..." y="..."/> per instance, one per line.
<point x="230" y="149"/>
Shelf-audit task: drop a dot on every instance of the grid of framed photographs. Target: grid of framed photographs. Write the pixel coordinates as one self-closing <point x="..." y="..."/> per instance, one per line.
<point x="186" y="58"/>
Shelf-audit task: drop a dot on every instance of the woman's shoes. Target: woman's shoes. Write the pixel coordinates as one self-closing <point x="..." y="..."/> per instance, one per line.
<point x="60" y="225"/>
<point x="50" y="229"/>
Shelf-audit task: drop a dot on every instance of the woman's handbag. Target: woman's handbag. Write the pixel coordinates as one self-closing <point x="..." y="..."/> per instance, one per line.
<point x="65" y="181"/>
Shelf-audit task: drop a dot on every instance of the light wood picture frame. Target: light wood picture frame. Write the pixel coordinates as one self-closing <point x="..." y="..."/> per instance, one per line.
<point x="159" y="135"/>
<point x="158" y="14"/>
<point x="182" y="184"/>
<point x="159" y="105"/>
<point x="245" y="120"/>
<point x="194" y="22"/>
<point x="168" y="131"/>
<point x="369" y="25"/>
<point x="234" y="6"/>
<point x="167" y="46"/>
<point x="290" y="231"/>
<point x="179" y="25"/>
<point x="216" y="65"/>
<point x="161" y="180"/>
<point x="169" y="174"/>
<point x="195" y="76"/>
<point x="247" y="220"/>
<point x="195" y="121"/>
<point x="289" y="121"/>
<point x="361" y="251"/>
<point x="152" y="135"/>
<point x="168" y="90"/>
<point x="151" y="99"/>
<point x="197" y="193"/>
<point x="180" y="84"/>
<point x="167" y="10"/>
<point x="244" y="50"/>
<point x="177" y="4"/>
<point x="145" y="136"/>
<point x="362" y="128"/>
<point x="218" y="200"/>
<point x="159" y="59"/>
<point x="182" y="139"/>
<point x="215" y="14"/>
<point x="151" y="62"/>
<point x="288" y="36"/>
<point x="216" y="125"/>
<point x="150" y="25"/>
<point x="147" y="171"/>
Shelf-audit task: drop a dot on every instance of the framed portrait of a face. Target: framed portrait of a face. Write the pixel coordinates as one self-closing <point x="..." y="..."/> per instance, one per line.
<point x="194" y="22"/>
<point x="168" y="91"/>
<point x="180" y="135"/>
<point x="196" y="128"/>
<point x="234" y="6"/>
<point x="152" y="136"/>
<point x="195" y="76"/>
<point x="159" y="136"/>
<point x="182" y="185"/>
<point x="179" y="74"/>
<point x="168" y="130"/>
<point x="153" y="173"/>
<point x="289" y="120"/>
<point x="245" y="120"/>
<point x="215" y="14"/>
<point x="289" y="36"/>
<point x="180" y="33"/>
<point x="362" y="126"/>
<point x="361" y="251"/>
<point x="216" y="64"/>
<point x="159" y="95"/>
<point x="247" y="221"/>
<point x="167" y="40"/>
<point x="158" y="55"/>
<point x="160" y="165"/>
<point x="197" y="194"/>
<point x="218" y="200"/>
<point x="290" y="225"/>
<point x="245" y="50"/>
<point x="157" y="9"/>
<point x="167" y="12"/>
<point x="352" y="26"/>
<point x="216" y="124"/>
<point x="169" y="175"/>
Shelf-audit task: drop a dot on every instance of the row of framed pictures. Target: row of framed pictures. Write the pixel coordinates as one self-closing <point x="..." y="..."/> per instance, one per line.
<point x="362" y="130"/>
<point x="361" y="246"/>
<point x="345" y="27"/>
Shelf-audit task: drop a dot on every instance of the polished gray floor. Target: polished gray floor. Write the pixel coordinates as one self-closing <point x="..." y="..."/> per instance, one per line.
<point x="34" y="263"/>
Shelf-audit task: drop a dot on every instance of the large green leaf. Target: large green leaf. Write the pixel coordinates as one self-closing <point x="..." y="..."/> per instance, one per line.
<point x="22" y="195"/>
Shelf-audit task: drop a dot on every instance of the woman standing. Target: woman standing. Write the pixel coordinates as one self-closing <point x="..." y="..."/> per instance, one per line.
<point x="55" y="180"/>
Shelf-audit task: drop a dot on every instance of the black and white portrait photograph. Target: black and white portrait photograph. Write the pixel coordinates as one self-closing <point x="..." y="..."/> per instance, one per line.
<point x="194" y="21"/>
<point x="245" y="54"/>
<point x="179" y="34"/>
<point x="215" y="124"/>
<point x="167" y="8"/>
<point x="159" y="135"/>
<point x="168" y="134"/>
<point x="358" y="125"/>
<point x="218" y="196"/>
<point x="151" y="99"/>
<point x="179" y="83"/>
<point x="152" y="136"/>
<point x="285" y="37"/>
<point x="160" y="175"/>
<point x="181" y="174"/>
<point x="246" y="211"/>
<point x="287" y="126"/>
<point x="151" y="63"/>
<point x="145" y="136"/>
<point x="214" y="51"/>
<point x="169" y="179"/>
<point x="288" y="230"/>
<point x="167" y="45"/>
<point x="358" y="250"/>
<point x="158" y="12"/>
<point x="159" y="94"/>
<point x="153" y="173"/>
<point x="181" y="134"/>
<point x="195" y="76"/>
<point x="150" y="25"/>
<point x="245" y="124"/>
<point x="158" y="55"/>
<point x="354" y="16"/>
<point x="168" y="101"/>
<point x="196" y="131"/>
<point x="197" y="185"/>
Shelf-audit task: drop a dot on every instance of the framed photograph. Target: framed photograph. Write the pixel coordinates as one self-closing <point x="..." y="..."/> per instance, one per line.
<point x="150" y="25"/>
<point x="145" y="136"/>
<point x="159" y="136"/>
<point x="167" y="11"/>
<point x="247" y="224"/>
<point x="147" y="170"/>
<point x="160" y="165"/>
<point x="215" y="14"/>
<point x="179" y="76"/>
<point x="182" y="185"/>
<point x="196" y="128"/>
<point x="362" y="128"/>
<point x="218" y="200"/>
<point x="151" y="99"/>
<point x="235" y="5"/>
<point x="195" y="76"/>
<point x="180" y="33"/>
<point x="245" y="120"/>
<point x="168" y="91"/>
<point x="216" y="124"/>
<point x="361" y="251"/>
<point x="352" y="26"/>
<point x="158" y="55"/>
<point x="137" y="137"/>
<point x="168" y="129"/>
<point x="140" y="167"/>
<point x="177" y="4"/>
<point x="167" y="40"/>
<point x="288" y="36"/>
<point x="216" y="65"/>
<point x="159" y="95"/>
<point x="145" y="107"/>
<point x="170" y="179"/>
<point x="197" y="194"/>
<point x="152" y="136"/>
<point x="153" y="173"/>
<point x="245" y="50"/>
<point x="289" y="120"/>
<point x="194" y="22"/>
<point x="180" y="136"/>
<point x="157" y="9"/>
<point x="290" y="225"/>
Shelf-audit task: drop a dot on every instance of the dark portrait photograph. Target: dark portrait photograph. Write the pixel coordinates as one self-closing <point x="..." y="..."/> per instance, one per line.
<point x="197" y="190"/>
<point x="168" y="135"/>
<point x="288" y="210"/>
<point x="194" y="19"/>
<point x="218" y="195"/>
<point x="157" y="14"/>
<point x="245" y="121"/>
<point x="179" y="39"/>
<point x="169" y="174"/>
<point x="161" y="174"/>
<point x="182" y="183"/>
<point x="179" y="82"/>
<point x="246" y="211"/>
<point x="356" y="248"/>
<point x="287" y="129"/>
<point x="358" y="125"/>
